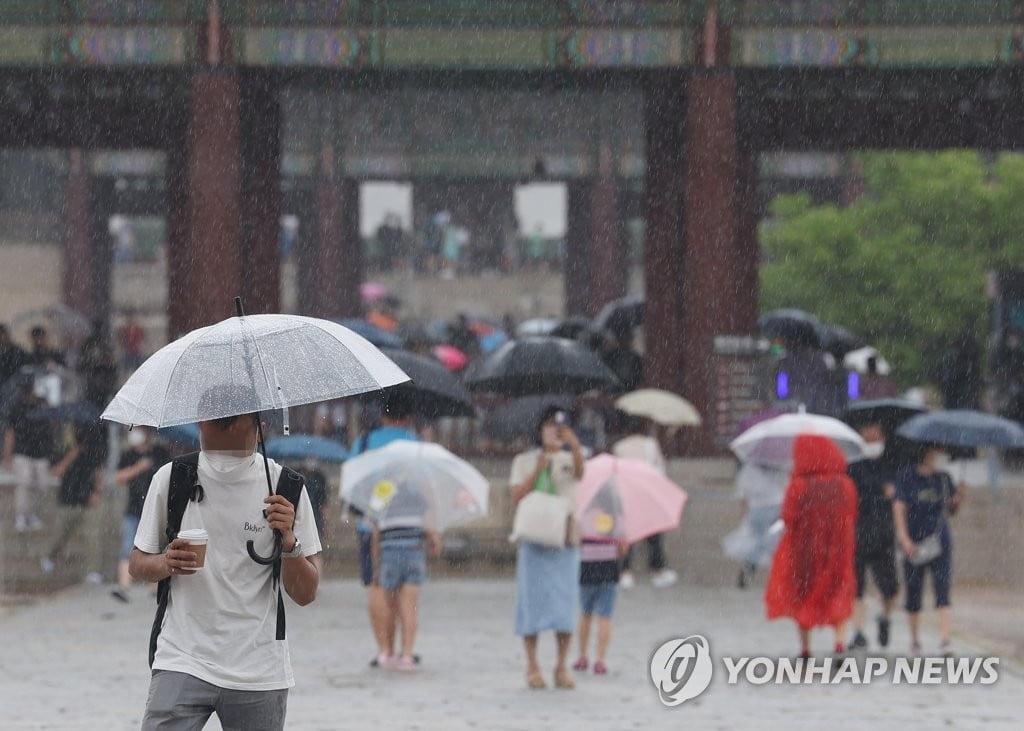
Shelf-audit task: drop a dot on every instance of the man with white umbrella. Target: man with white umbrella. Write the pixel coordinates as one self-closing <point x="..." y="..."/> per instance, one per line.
<point x="217" y="651"/>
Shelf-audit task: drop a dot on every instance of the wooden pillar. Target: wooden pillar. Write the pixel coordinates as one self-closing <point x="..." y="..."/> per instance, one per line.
<point x="609" y="268"/>
<point x="664" y="194"/>
<point x="339" y="248"/>
<point x="576" y="272"/>
<point x="712" y="284"/>
<point x="210" y="261"/>
<point x="78" y="253"/>
<point x="261" y="196"/>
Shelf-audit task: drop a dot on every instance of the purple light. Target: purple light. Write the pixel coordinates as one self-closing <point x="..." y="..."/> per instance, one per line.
<point x="853" y="385"/>
<point x="782" y="385"/>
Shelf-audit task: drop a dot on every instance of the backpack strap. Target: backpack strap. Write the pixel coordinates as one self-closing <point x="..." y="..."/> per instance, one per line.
<point x="184" y="486"/>
<point x="289" y="486"/>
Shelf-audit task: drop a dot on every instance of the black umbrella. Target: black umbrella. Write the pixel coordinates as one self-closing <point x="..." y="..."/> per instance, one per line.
<point x="433" y="391"/>
<point x="519" y="418"/>
<point x="889" y="412"/>
<point x="540" y="365"/>
<point x="963" y="428"/>
<point x="795" y="327"/>
<point x="571" y="327"/>
<point x="839" y="340"/>
<point x="80" y="412"/>
<point x="621" y="315"/>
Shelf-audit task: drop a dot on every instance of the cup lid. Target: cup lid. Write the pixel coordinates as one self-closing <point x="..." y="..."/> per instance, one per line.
<point x="194" y="534"/>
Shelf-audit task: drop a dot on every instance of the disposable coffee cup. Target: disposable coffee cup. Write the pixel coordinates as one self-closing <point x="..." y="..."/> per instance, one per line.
<point x="197" y="539"/>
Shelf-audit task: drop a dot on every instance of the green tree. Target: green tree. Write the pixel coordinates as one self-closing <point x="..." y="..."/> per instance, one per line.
<point x="904" y="265"/>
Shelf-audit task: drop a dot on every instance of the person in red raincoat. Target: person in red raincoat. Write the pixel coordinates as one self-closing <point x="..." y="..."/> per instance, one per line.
<point x="812" y="576"/>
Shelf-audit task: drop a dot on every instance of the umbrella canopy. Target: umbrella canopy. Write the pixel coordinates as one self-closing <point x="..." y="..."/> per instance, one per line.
<point x="770" y="443"/>
<point x="373" y="291"/>
<point x="795" y="327"/>
<point x="80" y="412"/>
<point x="889" y="412"/>
<point x="519" y="418"/>
<point x="622" y="314"/>
<point x="432" y="391"/>
<point x="661" y="407"/>
<point x="408" y="483"/>
<point x="539" y="365"/>
<point x="450" y="357"/>
<point x="65" y="319"/>
<point x="571" y="327"/>
<point x="861" y="360"/>
<point x="537" y="326"/>
<point x="248" y="364"/>
<point x="626" y="499"/>
<point x="186" y="435"/>
<point x="376" y="336"/>
<point x="963" y="428"/>
<point x="493" y="340"/>
<point x="839" y="340"/>
<point x="306" y="446"/>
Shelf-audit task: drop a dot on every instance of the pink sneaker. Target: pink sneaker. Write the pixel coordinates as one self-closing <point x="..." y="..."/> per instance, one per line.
<point x="581" y="665"/>
<point x="600" y="668"/>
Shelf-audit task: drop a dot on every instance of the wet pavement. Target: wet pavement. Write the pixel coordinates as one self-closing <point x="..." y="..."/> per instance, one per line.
<point x="77" y="660"/>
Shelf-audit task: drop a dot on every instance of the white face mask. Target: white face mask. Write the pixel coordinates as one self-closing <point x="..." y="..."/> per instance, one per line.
<point x="874" y="450"/>
<point x="136" y="438"/>
<point x="228" y="461"/>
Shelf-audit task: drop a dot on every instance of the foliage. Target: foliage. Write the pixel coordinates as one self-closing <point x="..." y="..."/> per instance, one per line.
<point x="905" y="264"/>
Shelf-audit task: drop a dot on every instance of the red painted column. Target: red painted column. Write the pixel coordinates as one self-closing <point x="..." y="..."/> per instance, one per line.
<point x="338" y="247"/>
<point x="748" y="245"/>
<point x="576" y="267"/>
<point x="76" y="278"/>
<point x="261" y="197"/>
<point x="664" y="195"/>
<point x="609" y="268"/>
<point x="212" y="258"/>
<point x="712" y="287"/>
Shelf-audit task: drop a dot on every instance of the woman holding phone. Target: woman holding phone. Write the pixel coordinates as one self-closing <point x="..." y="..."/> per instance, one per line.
<point x="547" y="579"/>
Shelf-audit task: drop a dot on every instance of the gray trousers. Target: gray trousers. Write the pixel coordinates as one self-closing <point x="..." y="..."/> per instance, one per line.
<point x="181" y="702"/>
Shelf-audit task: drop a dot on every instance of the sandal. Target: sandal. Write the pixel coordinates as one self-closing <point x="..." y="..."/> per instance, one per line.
<point x="535" y="681"/>
<point x="581" y="664"/>
<point x="600" y="668"/>
<point x="563" y="679"/>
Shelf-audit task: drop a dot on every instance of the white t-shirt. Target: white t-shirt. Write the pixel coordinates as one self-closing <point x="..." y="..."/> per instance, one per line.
<point x="221" y="622"/>
<point x="644" y="448"/>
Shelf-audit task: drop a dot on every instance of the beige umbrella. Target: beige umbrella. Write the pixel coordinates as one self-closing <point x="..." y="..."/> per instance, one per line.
<point x="662" y="407"/>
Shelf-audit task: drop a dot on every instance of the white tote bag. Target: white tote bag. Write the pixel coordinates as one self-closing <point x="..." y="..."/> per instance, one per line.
<point x="543" y="519"/>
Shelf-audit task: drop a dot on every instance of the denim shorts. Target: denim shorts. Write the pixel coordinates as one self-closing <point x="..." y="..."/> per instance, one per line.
<point x="598" y="599"/>
<point x="402" y="564"/>
<point x="129" y="526"/>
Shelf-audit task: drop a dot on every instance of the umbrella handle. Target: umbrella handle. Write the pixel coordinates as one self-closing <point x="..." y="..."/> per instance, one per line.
<point x="265" y="560"/>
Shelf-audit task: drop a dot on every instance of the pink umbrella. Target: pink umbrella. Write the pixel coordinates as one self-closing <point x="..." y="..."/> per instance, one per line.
<point x="626" y="499"/>
<point x="450" y="357"/>
<point x="372" y="291"/>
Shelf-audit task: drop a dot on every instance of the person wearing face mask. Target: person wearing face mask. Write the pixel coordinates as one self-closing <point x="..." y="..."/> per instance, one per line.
<point x="547" y="579"/>
<point x="876" y="538"/>
<point x="135" y="471"/>
<point x="217" y="649"/>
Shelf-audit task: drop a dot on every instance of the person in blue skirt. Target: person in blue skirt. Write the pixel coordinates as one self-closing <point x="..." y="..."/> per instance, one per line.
<point x="547" y="579"/>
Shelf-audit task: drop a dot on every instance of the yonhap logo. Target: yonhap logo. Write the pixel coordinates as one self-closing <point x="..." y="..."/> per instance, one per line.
<point x="681" y="669"/>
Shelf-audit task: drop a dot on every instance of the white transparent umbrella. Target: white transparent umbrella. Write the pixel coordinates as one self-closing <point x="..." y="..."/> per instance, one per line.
<point x="247" y="364"/>
<point x="407" y="483"/>
<point x="662" y="407"/>
<point x="770" y="442"/>
<point x="860" y="360"/>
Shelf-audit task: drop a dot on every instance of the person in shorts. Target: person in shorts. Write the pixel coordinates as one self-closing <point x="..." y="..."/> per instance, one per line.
<point x="875" y="533"/>
<point x="599" y="585"/>
<point x="401" y="540"/>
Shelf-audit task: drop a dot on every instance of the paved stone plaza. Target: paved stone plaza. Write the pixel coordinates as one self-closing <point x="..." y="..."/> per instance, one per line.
<point x="78" y="661"/>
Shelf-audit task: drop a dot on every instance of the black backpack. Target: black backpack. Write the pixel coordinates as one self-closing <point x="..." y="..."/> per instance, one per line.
<point x="185" y="487"/>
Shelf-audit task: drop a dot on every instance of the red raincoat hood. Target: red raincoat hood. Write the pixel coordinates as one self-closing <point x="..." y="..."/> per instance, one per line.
<point x="815" y="455"/>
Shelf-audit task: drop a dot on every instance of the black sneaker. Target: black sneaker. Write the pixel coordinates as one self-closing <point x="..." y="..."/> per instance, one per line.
<point x="859" y="641"/>
<point x="883" y="630"/>
<point x="120" y="594"/>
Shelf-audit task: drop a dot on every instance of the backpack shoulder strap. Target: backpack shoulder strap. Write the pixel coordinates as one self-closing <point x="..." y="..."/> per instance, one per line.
<point x="184" y="486"/>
